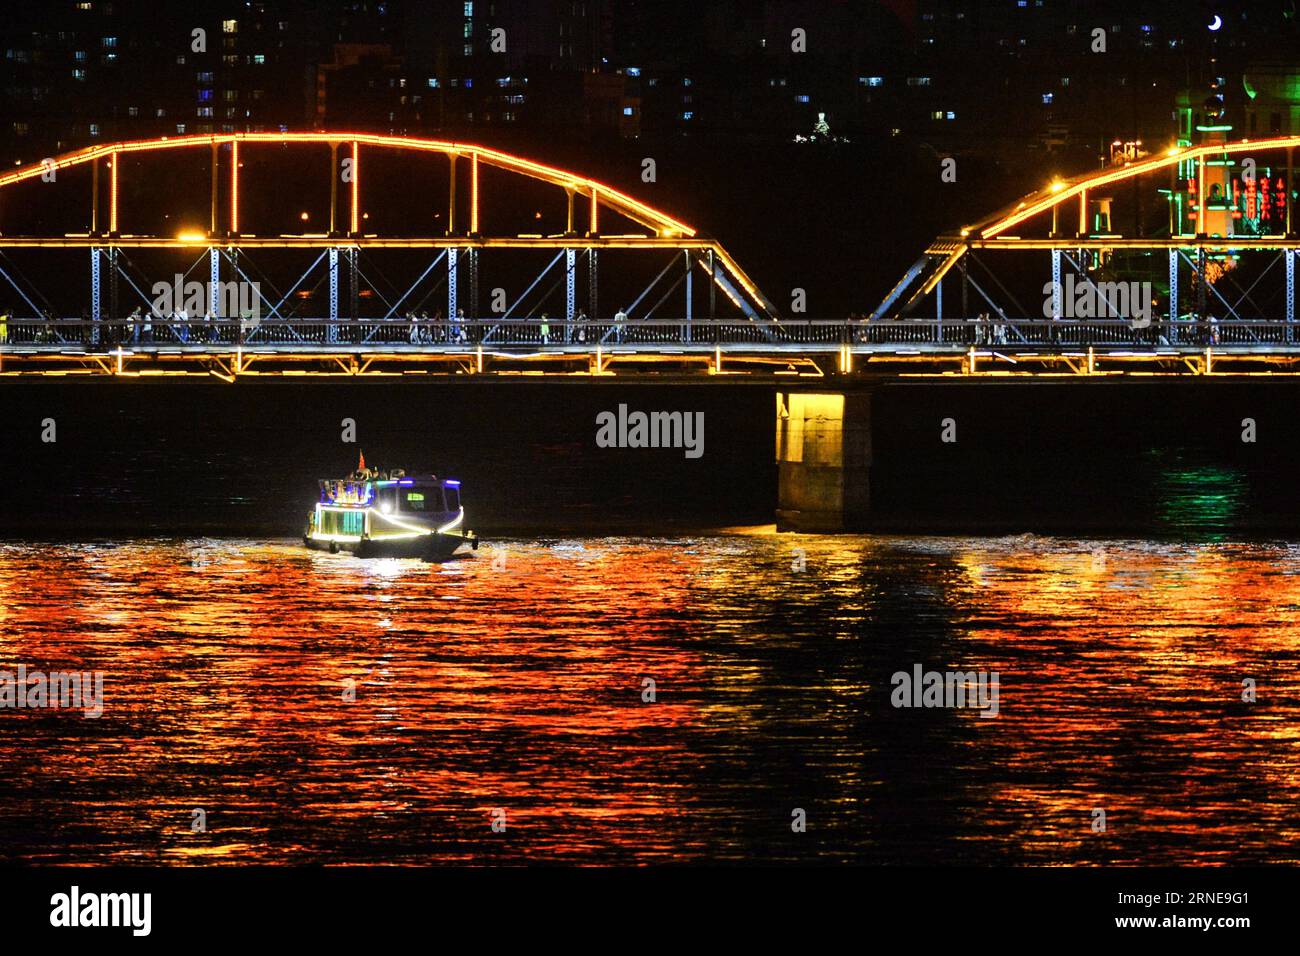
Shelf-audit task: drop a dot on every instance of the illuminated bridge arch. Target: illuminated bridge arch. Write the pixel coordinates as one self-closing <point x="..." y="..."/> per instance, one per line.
<point x="1203" y="228"/>
<point x="596" y="194"/>
<point x="82" y="200"/>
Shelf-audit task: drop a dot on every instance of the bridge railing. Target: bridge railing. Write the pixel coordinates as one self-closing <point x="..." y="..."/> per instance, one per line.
<point x="798" y="335"/>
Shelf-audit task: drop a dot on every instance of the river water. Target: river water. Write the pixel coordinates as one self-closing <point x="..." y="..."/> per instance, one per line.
<point x="320" y="708"/>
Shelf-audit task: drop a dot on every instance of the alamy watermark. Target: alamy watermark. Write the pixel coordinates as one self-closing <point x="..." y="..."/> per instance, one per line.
<point x="955" y="689"/>
<point x="34" y="690"/>
<point x="1099" y="300"/>
<point x="626" y="429"/>
<point x="221" y="300"/>
<point x="74" y="909"/>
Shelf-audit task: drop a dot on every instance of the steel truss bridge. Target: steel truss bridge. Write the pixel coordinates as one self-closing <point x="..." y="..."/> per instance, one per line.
<point x="325" y="303"/>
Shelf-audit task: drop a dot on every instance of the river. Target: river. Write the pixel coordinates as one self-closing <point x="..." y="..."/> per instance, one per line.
<point x="321" y="708"/>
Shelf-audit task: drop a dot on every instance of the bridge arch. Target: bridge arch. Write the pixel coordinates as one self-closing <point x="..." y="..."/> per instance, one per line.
<point x="699" y="282"/>
<point x="1199" y="219"/>
<point x="596" y="194"/>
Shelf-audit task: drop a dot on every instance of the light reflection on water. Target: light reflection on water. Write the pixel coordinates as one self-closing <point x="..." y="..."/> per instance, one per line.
<point x="520" y="687"/>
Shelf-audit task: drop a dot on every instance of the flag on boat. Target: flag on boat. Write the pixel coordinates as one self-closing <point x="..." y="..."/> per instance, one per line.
<point x="361" y="463"/>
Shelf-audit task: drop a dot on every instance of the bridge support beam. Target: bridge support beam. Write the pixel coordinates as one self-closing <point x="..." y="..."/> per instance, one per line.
<point x="452" y="290"/>
<point x="332" y="333"/>
<point x="570" y="292"/>
<point x="214" y="284"/>
<point x="1290" y="294"/>
<point x="94" y="285"/>
<point x="1056" y="285"/>
<point x="823" y="451"/>
<point x="1173" y="296"/>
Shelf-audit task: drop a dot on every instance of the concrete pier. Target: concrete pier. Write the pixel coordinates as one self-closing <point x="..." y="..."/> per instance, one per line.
<point x="823" y="453"/>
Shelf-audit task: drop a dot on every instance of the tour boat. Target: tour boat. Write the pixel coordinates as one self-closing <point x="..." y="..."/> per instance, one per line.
<point x="389" y="515"/>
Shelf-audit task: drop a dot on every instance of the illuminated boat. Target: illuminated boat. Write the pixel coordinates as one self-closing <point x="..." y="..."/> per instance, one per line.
<point x="389" y="517"/>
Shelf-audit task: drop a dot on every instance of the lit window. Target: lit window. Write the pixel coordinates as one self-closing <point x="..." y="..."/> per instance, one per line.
<point x="94" y="129"/>
<point x="627" y="111"/>
<point x="634" y="71"/>
<point x="918" y="81"/>
<point x="180" y="128"/>
<point x="259" y="58"/>
<point x="688" y="116"/>
<point x="433" y="82"/>
<point x="871" y="80"/>
<point x="1047" y="98"/>
<point x="801" y="98"/>
<point x="229" y="26"/>
<point x="469" y="49"/>
<point x="80" y="56"/>
<point x="110" y="42"/>
<point x="469" y="8"/>
<point x="78" y="74"/>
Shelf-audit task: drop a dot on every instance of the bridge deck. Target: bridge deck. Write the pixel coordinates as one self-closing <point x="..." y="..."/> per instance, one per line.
<point x="395" y="346"/>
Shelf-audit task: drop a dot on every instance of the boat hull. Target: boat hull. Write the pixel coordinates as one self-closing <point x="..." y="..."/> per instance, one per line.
<point x="430" y="547"/>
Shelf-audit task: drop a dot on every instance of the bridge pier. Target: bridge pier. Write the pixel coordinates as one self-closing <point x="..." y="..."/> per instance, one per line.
<point x="823" y="453"/>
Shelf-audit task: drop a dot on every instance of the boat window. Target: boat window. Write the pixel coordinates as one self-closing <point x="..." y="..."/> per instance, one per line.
<point x="386" y="500"/>
<point x="453" y="498"/>
<point x="415" y="501"/>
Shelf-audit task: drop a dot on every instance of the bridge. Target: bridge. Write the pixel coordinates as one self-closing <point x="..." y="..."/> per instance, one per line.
<point x="346" y="288"/>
